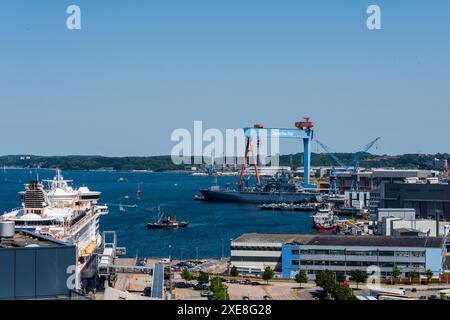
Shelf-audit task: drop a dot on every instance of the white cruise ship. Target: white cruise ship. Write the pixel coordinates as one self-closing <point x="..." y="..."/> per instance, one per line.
<point x="55" y="209"/>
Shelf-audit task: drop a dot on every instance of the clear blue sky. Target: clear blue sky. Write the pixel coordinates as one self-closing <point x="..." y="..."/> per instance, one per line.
<point x="139" y="69"/>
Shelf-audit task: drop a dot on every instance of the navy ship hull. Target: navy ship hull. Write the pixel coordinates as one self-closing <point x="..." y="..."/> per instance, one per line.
<point x="258" y="197"/>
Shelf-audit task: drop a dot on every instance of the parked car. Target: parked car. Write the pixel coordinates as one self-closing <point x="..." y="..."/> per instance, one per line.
<point x="255" y="283"/>
<point x="413" y="290"/>
<point x="201" y="287"/>
<point x="207" y="294"/>
<point x="183" y="285"/>
<point x="147" y="292"/>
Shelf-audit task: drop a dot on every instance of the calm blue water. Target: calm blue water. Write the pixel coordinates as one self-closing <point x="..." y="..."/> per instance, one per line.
<point x="211" y="225"/>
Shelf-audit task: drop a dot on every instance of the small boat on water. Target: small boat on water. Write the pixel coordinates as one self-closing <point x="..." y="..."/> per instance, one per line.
<point x="166" y="222"/>
<point x="324" y="220"/>
<point x="122" y="179"/>
<point x="199" y="197"/>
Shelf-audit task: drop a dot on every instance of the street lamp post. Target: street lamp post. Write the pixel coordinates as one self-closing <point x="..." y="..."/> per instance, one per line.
<point x="170" y="270"/>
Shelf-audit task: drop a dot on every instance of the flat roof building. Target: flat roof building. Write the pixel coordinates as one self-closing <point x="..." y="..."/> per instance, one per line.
<point x="288" y="253"/>
<point x="428" y="199"/>
<point x="370" y="180"/>
<point x="33" y="266"/>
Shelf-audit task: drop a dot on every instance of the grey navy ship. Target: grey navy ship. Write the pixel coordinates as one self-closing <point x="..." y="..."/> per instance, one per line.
<point x="277" y="189"/>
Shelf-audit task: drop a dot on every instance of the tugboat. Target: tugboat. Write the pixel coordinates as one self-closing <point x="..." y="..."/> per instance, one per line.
<point x="163" y="222"/>
<point x="324" y="220"/>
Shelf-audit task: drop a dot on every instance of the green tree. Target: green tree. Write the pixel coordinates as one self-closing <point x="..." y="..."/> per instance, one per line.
<point x="220" y="291"/>
<point x="358" y="276"/>
<point x="301" y="277"/>
<point x="395" y="274"/>
<point x="340" y="277"/>
<point x="412" y="275"/>
<point x="326" y="280"/>
<point x="341" y="292"/>
<point x="203" y="278"/>
<point x="187" y="275"/>
<point x="234" y="271"/>
<point x="429" y="274"/>
<point x="267" y="274"/>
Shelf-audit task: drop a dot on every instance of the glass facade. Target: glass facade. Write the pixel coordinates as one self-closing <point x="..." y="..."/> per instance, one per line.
<point x="343" y="260"/>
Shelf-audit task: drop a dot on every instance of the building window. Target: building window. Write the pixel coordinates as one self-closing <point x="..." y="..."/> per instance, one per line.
<point x="354" y="263"/>
<point x="337" y="263"/>
<point x="386" y="264"/>
<point x="418" y="254"/>
<point x="324" y="252"/>
<point x="295" y="252"/>
<point x="405" y="254"/>
<point x="321" y="263"/>
<point x="356" y="253"/>
<point x="295" y="262"/>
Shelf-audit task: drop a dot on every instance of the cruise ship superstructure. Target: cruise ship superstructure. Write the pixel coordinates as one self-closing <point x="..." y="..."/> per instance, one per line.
<point x="55" y="209"/>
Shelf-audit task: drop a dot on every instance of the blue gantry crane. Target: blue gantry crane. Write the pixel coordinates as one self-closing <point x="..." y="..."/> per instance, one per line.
<point x="303" y="132"/>
<point x="354" y="165"/>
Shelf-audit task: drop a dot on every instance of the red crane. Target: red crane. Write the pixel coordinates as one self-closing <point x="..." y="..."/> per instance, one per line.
<point x="249" y="147"/>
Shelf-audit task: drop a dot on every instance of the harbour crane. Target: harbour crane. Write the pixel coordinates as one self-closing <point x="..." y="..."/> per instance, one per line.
<point x="304" y="131"/>
<point x="333" y="173"/>
<point x="354" y="165"/>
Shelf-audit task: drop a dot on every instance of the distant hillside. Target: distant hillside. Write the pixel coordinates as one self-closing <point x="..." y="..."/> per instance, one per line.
<point x="164" y="163"/>
<point x="406" y="161"/>
<point x="158" y="163"/>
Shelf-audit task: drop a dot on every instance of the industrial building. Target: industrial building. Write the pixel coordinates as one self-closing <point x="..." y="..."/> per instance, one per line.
<point x="403" y="221"/>
<point x="288" y="253"/>
<point x="372" y="179"/>
<point x="429" y="199"/>
<point x="33" y="266"/>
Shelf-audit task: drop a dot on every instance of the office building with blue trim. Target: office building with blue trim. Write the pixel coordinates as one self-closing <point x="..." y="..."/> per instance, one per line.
<point x="289" y="253"/>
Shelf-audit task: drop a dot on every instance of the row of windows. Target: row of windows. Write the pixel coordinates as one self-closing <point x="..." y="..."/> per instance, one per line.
<point x="342" y="273"/>
<point x="414" y="254"/>
<point x="256" y="259"/>
<point x="248" y="248"/>
<point x="355" y="264"/>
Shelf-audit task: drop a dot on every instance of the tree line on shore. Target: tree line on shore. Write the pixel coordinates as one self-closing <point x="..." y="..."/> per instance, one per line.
<point x="164" y="163"/>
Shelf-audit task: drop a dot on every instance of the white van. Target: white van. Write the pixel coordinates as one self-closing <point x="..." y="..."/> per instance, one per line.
<point x="165" y="261"/>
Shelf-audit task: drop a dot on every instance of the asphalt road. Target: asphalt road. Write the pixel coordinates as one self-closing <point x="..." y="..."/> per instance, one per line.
<point x="158" y="281"/>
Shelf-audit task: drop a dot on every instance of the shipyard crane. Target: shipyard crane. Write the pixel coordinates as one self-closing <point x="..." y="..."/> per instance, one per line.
<point x="354" y="164"/>
<point x="304" y="131"/>
<point x="333" y="173"/>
